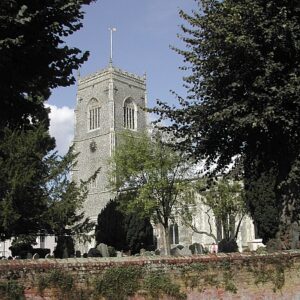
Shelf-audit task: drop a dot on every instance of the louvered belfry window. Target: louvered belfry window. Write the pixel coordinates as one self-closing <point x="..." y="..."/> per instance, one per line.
<point x="129" y="115"/>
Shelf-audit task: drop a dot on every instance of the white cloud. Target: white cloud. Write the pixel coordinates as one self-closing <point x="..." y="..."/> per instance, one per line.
<point x="62" y="127"/>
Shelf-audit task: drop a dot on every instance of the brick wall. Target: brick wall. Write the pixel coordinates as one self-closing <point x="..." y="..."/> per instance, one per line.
<point x="232" y="276"/>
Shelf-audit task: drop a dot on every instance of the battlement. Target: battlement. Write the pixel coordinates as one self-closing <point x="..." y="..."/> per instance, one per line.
<point x="110" y="70"/>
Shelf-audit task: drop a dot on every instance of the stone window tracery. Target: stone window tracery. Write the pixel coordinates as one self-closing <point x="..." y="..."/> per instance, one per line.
<point x="130" y="114"/>
<point x="94" y="115"/>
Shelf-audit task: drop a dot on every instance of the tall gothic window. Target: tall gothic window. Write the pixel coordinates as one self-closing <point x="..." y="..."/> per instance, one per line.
<point x="129" y="114"/>
<point x="174" y="235"/>
<point x="94" y="115"/>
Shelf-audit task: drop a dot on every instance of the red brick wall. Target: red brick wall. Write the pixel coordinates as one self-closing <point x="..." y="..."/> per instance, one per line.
<point x="245" y="269"/>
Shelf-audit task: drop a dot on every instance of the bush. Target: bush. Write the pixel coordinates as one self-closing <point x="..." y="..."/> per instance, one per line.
<point x="56" y="279"/>
<point x="118" y="283"/>
<point x="112" y="251"/>
<point x="228" y="246"/>
<point x="94" y="252"/>
<point x="11" y="290"/>
<point x="42" y="252"/>
<point x="64" y="247"/>
<point x="158" y="284"/>
<point x="21" y="250"/>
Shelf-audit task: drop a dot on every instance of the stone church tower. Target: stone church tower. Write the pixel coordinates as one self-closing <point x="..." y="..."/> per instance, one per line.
<point x="108" y="102"/>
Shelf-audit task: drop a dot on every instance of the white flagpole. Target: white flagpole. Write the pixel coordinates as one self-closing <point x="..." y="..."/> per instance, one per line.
<point x="111" y="43"/>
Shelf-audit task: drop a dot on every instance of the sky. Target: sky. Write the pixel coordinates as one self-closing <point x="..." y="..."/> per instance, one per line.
<point x="145" y="31"/>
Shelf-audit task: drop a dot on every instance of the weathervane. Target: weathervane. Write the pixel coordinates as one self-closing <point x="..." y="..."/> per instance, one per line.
<point x="111" y="44"/>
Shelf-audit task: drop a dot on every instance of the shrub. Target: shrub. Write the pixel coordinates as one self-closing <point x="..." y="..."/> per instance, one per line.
<point x="228" y="246"/>
<point x="21" y="250"/>
<point x="94" y="252"/>
<point x="64" y="247"/>
<point x="42" y="252"/>
<point x="11" y="290"/>
<point x="158" y="284"/>
<point x="118" y="283"/>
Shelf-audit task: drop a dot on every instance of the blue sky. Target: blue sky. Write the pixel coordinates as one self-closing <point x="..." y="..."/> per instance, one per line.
<point x="145" y="30"/>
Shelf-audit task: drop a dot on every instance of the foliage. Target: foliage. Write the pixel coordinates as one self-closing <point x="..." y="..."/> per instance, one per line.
<point x="63" y="282"/>
<point x="243" y="99"/>
<point x="123" y="232"/>
<point x="272" y="269"/>
<point x="11" y="290"/>
<point x="228" y="246"/>
<point x="154" y="173"/>
<point x="23" y="201"/>
<point x="224" y="199"/>
<point x="94" y="252"/>
<point x="65" y="199"/>
<point x="34" y="56"/>
<point x="36" y="193"/>
<point x="159" y="284"/>
<point x="118" y="283"/>
<point x="34" y="59"/>
<point x="64" y="247"/>
<point x="21" y="250"/>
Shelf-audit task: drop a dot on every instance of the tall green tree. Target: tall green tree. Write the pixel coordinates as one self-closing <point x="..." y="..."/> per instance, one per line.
<point x="34" y="57"/>
<point x="155" y="172"/>
<point x="36" y="192"/>
<point x="22" y="180"/>
<point x="243" y="99"/>
<point x="223" y="202"/>
<point x="123" y="231"/>
<point x="64" y="214"/>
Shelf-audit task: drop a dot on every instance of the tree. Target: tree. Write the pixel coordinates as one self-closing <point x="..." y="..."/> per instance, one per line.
<point x="243" y="99"/>
<point x="33" y="60"/>
<point x="36" y="192"/>
<point x="123" y="232"/>
<point x="34" y="57"/>
<point x="152" y="170"/>
<point x="223" y="202"/>
<point x="64" y="215"/>
<point x="22" y="181"/>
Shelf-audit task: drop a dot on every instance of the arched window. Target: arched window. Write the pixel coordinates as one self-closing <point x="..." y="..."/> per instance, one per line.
<point x="94" y="115"/>
<point x="174" y="235"/>
<point x="130" y="114"/>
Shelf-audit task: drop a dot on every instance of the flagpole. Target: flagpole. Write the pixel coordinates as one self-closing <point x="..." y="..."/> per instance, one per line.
<point x="111" y="43"/>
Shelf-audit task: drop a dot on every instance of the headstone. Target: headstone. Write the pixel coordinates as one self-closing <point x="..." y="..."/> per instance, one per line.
<point x="175" y="251"/>
<point x="142" y="252"/>
<point x="157" y="252"/>
<point x="36" y="256"/>
<point x="103" y="250"/>
<point x="185" y="251"/>
<point x="119" y="254"/>
<point x="29" y="255"/>
<point x="48" y="256"/>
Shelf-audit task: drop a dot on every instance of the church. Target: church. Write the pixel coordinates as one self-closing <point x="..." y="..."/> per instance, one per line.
<point x="109" y="102"/>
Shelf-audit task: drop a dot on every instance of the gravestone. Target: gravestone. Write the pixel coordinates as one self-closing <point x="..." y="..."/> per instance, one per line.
<point x="103" y="250"/>
<point x="36" y="256"/>
<point x="185" y="251"/>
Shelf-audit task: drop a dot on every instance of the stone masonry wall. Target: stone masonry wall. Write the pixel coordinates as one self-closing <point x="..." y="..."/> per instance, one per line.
<point x="232" y="276"/>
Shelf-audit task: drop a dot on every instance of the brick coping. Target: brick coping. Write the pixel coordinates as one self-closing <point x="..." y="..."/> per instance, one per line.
<point x="142" y="260"/>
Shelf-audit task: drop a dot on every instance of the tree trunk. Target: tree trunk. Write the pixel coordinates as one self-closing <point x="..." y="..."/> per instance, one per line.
<point x="166" y="239"/>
